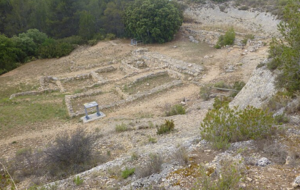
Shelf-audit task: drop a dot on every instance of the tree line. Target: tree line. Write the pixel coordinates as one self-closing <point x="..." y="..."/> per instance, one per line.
<point x="62" y="18"/>
<point x="31" y="29"/>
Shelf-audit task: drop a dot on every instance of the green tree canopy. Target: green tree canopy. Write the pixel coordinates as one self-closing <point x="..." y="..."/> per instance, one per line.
<point x="286" y="53"/>
<point x="152" y="20"/>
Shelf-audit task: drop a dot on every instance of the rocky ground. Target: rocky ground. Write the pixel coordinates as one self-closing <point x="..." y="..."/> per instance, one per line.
<point x="190" y="58"/>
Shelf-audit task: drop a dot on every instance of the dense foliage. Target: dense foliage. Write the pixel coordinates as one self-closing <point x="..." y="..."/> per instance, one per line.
<point x="153" y="20"/>
<point x="28" y="46"/>
<point x="286" y="54"/>
<point x="31" y="29"/>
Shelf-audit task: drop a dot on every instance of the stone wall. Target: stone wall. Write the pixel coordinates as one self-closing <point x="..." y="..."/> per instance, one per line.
<point x="129" y="99"/>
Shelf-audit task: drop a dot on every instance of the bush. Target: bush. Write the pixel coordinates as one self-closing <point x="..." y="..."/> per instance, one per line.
<point x="237" y="86"/>
<point x="127" y="172"/>
<point x="77" y="180"/>
<point x="221" y="102"/>
<point x="9" y="54"/>
<point x="220" y="84"/>
<point x="153" y="166"/>
<point x="71" y="153"/>
<point x="231" y="125"/>
<point x="167" y="127"/>
<point x="285" y="53"/>
<point x="153" y="21"/>
<point x="227" y="39"/>
<point x="52" y="49"/>
<point x="75" y="40"/>
<point x="110" y="36"/>
<point x="205" y="92"/>
<point x="176" y="110"/>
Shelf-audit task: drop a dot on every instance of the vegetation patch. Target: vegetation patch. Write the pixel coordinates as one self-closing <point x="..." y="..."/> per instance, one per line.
<point x="223" y="126"/>
<point x="153" y="21"/>
<point x="285" y="53"/>
<point x="227" y="39"/>
<point x="176" y="110"/>
<point x="205" y="92"/>
<point x="127" y="172"/>
<point x="31" y="109"/>
<point x="167" y="127"/>
<point x="121" y="127"/>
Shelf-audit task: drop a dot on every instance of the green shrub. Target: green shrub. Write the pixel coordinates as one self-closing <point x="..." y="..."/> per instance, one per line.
<point x="127" y="172"/>
<point x="227" y="39"/>
<point x="167" y="127"/>
<point x="237" y="86"/>
<point x="176" y="110"/>
<point x="110" y="36"/>
<point x="151" y="140"/>
<point x="205" y="92"/>
<point x="221" y="84"/>
<point x="92" y="42"/>
<point x="77" y="180"/>
<point x="52" y="49"/>
<point x="221" y="102"/>
<point x="226" y="125"/>
<point x="75" y="40"/>
<point x="121" y="128"/>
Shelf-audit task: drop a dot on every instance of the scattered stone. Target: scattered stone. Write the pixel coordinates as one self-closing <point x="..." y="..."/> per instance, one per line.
<point x="249" y="179"/>
<point x="296" y="182"/>
<point x="263" y="162"/>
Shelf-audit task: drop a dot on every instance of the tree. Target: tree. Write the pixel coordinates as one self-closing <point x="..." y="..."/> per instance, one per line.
<point x="86" y="25"/>
<point x="8" y="54"/>
<point x="286" y="53"/>
<point x="152" y="20"/>
<point x="63" y="20"/>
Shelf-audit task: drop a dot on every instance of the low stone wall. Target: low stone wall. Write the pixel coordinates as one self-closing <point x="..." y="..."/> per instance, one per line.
<point x="77" y="77"/>
<point x="150" y="76"/>
<point x="90" y="66"/>
<point x="105" y="69"/>
<point x="159" y="60"/>
<point x="47" y="79"/>
<point x="69" y="98"/>
<point x="129" y="99"/>
<point x="32" y="93"/>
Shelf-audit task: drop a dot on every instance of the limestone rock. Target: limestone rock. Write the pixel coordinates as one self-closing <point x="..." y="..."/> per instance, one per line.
<point x="263" y="162"/>
<point x="296" y="182"/>
<point x="258" y="90"/>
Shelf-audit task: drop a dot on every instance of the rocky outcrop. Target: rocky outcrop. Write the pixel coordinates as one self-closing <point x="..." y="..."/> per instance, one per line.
<point x="258" y="90"/>
<point x="251" y="21"/>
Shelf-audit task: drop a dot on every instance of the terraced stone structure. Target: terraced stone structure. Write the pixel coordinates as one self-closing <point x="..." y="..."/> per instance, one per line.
<point x="118" y="82"/>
